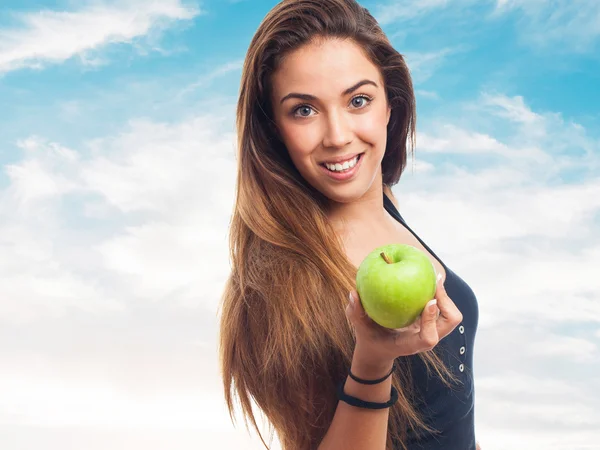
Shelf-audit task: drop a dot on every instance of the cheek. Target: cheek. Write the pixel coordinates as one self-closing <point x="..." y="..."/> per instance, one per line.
<point x="372" y="127"/>
<point x="300" y="140"/>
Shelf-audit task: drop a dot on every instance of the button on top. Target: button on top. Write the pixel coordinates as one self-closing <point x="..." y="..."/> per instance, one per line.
<point x="462" y="350"/>
<point x="461" y="329"/>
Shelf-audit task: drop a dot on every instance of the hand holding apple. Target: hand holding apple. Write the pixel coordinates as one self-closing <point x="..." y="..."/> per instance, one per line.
<point x="376" y="344"/>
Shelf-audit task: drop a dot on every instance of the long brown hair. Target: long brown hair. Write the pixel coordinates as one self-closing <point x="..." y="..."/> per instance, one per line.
<point x="285" y="341"/>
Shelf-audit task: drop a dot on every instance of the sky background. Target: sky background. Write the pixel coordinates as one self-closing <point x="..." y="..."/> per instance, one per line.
<point x="118" y="172"/>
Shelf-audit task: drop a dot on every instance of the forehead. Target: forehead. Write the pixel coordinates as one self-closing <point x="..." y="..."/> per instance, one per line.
<point x="323" y="68"/>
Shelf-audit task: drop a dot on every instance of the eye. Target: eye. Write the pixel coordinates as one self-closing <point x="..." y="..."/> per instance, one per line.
<point x="302" y="108"/>
<point x="307" y="108"/>
<point x="361" y="97"/>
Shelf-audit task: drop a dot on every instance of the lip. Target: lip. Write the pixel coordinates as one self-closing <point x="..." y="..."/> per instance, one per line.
<point x="340" y="159"/>
<point x="343" y="176"/>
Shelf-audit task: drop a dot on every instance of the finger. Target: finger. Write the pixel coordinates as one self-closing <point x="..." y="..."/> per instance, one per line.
<point x="414" y="327"/>
<point x="427" y="337"/>
<point x="429" y="332"/>
<point x="350" y="308"/>
<point x="355" y="311"/>
<point x="450" y="316"/>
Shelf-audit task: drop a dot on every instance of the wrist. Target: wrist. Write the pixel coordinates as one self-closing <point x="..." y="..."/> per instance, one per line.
<point x="369" y="369"/>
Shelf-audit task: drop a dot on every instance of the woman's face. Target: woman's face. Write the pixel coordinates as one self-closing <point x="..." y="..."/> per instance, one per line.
<point x="329" y="106"/>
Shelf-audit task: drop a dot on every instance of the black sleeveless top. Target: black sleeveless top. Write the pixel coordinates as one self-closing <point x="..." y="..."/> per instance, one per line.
<point x="450" y="410"/>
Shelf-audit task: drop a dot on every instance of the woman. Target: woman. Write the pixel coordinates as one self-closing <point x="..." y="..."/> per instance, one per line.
<point x="325" y="112"/>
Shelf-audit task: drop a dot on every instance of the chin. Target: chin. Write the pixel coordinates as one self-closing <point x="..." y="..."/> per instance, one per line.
<point x="345" y="194"/>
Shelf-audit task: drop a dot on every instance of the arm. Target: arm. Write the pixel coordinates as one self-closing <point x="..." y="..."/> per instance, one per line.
<point x="375" y="350"/>
<point x="358" y="428"/>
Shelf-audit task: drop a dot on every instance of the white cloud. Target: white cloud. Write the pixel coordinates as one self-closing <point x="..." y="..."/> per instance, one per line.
<point x="148" y="167"/>
<point x="166" y="175"/>
<point x="575" y="25"/>
<point x="208" y="78"/>
<point x="512" y="108"/>
<point x="565" y="141"/>
<point x="517" y="384"/>
<point x="32" y="179"/>
<point x="566" y="347"/>
<point x="540" y="23"/>
<point x="56" y="36"/>
<point x="427" y="94"/>
<point x="452" y="139"/>
<point x="153" y="409"/>
<point x="553" y="438"/>
<point x="423" y="65"/>
<point x="420" y="166"/>
<point x="535" y="412"/>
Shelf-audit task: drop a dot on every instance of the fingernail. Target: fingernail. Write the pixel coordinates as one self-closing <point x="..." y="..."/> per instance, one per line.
<point x="439" y="277"/>
<point x="351" y="298"/>
<point x="430" y="306"/>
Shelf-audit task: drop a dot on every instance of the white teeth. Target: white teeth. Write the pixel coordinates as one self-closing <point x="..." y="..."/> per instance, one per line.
<point x="341" y="167"/>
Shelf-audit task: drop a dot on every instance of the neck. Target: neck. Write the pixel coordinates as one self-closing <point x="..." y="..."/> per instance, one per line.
<point x="364" y="213"/>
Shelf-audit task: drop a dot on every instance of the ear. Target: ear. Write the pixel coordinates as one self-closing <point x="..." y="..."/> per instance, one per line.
<point x="389" y="114"/>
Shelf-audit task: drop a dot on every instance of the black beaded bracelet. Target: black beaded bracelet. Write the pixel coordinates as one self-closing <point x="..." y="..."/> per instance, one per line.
<point x="354" y="401"/>
<point x="360" y="380"/>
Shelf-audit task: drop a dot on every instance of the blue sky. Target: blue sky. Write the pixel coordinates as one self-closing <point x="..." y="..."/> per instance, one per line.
<point x="118" y="169"/>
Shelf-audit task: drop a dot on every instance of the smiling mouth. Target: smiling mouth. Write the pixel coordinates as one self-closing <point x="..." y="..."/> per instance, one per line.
<point x="346" y="166"/>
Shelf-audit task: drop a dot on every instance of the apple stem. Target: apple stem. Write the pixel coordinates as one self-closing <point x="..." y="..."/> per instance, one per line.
<point x="384" y="256"/>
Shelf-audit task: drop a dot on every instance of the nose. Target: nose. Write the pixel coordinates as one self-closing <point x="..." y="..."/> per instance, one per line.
<point x="338" y="132"/>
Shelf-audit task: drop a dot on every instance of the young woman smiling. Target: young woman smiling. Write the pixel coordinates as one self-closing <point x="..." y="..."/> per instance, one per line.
<point x="325" y="115"/>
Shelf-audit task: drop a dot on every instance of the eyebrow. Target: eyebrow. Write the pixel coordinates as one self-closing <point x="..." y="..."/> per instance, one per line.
<point x="309" y="97"/>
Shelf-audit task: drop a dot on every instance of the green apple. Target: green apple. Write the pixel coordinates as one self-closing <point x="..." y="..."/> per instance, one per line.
<point x="395" y="282"/>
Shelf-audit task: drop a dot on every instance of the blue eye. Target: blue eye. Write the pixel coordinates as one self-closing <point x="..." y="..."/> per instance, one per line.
<point x="367" y="99"/>
<point x="305" y="107"/>
<point x="360" y="97"/>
